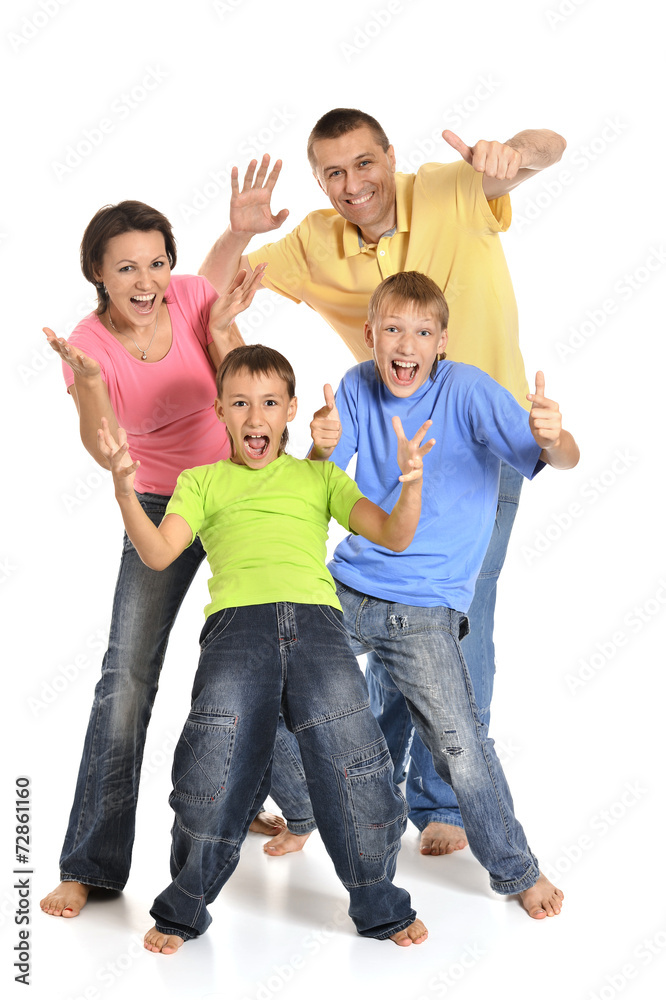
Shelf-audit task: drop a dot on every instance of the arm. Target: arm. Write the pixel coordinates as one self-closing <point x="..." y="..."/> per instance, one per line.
<point x="396" y="530"/>
<point x="235" y="300"/>
<point x="558" y="446"/>
<point x="325" y="428"/>
<point x="159" y="546"/>
<point x="505" y="165"/>
<point x="89" y="393"/>
<point x="249" y="214"/>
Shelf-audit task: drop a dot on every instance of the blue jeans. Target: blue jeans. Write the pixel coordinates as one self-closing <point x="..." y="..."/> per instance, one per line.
<point x="98" y="844"/>
<point x="256" y="662"/>
<point x="430" y="799"/>
<point x="420" y="649"/>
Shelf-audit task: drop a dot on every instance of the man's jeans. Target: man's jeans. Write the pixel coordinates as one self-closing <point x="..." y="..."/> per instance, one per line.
<point x="98" y="843"/>
<point x="420" y="649"/>
<point x="255" y="663"/>
<point x="430" y="799"/>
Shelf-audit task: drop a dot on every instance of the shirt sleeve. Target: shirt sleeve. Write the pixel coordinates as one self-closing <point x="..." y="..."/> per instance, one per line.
<point x="287" y="265"/>
<point x="457" y="190"/>
<point x="187" y="501"/>
<point x="502" y="425"/>
<point x="343" y="494"/>
<point x="197" y="298"/>
<point x="346" y="399"/>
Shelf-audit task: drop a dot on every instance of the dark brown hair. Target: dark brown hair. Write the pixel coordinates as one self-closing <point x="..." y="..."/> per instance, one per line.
<point x="339" y="122"/>
<point x="115" y="220"/>
<point x="258" y="360"/>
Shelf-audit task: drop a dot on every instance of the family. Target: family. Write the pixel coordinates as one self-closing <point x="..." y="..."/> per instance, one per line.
<point x="408" y="269"/>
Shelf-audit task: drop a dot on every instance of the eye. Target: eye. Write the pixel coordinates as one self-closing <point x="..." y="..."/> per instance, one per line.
<point x="238" y="402"/>
<point x="158" y="263"/>
<point x="425" y="333"/>
<point x="127" y="267"/>
<point x="391" y="329"/>
<point x="271" y="402"/>
<point x="365" y="163"/>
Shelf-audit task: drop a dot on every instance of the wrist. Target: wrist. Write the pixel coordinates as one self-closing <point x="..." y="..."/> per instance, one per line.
<point x="236" y="239"/>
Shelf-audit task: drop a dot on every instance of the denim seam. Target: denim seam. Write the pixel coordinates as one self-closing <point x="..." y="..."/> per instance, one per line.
<point x="98" y="883"/>
<point x="330" y="717"/>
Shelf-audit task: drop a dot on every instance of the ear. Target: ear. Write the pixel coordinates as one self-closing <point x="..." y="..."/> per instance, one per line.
<point x="441" y="347"/>
<point x="367" y="336"/>
<point x="218" y="410"/>
<point x="291" y="409"/>
<point x="316" y="177"/>
<point x="390" y="152"/>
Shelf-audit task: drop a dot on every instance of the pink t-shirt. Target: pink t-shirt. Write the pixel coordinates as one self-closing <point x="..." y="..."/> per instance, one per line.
<point x="165" y="406"/>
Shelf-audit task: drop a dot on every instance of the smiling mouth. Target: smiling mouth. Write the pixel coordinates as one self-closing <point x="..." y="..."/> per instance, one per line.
<point x="360" y="201"/>
<point x="143" y="303"/>
<point x="404" y="372"/>
<point x="256" y="445"/>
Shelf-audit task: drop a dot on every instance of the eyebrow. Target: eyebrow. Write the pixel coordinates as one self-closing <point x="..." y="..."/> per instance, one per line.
<point x="418" y="321"/>
<point x="126" y="260"/>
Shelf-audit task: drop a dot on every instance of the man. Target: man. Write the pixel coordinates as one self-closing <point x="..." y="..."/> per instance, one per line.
<point x="443" y="221"/>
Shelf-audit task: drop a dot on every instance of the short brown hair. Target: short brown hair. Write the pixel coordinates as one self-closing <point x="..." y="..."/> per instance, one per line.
<point x="258" y="360"/>
<point x="115" y="220"/>
<point x="339" y="122"/>
<point x="410" y="286"/>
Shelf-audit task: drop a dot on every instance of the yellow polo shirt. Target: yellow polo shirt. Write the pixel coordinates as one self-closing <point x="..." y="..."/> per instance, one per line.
<point x="446" y="229"/>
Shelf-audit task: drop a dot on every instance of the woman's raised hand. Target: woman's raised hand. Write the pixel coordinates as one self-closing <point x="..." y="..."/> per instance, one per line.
<point x="80" y="363"/>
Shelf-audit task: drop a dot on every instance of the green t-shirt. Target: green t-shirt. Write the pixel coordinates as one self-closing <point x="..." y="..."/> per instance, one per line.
<point x="265" y="530"/>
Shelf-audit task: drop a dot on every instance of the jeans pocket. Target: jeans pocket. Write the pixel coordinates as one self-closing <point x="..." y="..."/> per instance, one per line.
<point x="378" y="810"/>
<point x="202" y="757"/>
<point x="334" y="618"/>
<point x="214" y="625"/>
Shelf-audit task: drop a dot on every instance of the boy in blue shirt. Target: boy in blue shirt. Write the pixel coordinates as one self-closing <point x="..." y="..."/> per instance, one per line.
<point x="274" y="642"/>
<point x="408" y="609"/>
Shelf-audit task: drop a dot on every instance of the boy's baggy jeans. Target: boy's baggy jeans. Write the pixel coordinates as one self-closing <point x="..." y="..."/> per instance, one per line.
<point x="255" y="662"/>
<point x="420" y="649"/>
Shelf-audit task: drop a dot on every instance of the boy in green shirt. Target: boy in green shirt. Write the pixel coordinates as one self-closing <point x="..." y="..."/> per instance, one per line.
<point x="274" y="642"/>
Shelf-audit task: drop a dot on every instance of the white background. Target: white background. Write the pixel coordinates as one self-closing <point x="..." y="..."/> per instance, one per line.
<point x="579" y="693"/>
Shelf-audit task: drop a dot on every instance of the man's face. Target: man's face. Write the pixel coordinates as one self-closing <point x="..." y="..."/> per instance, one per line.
<point x="405" y="340"/>
<point x="359" y="179"/>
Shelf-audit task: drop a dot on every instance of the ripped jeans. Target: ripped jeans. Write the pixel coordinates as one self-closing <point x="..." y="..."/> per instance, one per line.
<point x="256" y="662"/>
<point x="420" y="649"/>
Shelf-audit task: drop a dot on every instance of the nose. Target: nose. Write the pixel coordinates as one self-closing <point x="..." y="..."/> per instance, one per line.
<point x="405" y="344"/>
<point x="254" y="416"/>
<point x="144" y="279"/>
<point x="354" y="183"/>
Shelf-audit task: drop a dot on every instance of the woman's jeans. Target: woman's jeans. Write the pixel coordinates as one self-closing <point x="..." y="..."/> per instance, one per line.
<point x="431" y="799"/>
<point x="99" y="839"/>
<point x="257" y="662"/>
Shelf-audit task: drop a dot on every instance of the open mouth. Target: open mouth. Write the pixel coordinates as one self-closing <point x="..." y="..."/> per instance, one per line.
<point x="404" y="372"/>
<point x="363" y="200"/>
<point x="143" y="304"/>
<point x="256" y="445"/>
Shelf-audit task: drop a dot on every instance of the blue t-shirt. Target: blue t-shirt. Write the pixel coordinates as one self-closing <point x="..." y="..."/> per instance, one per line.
<point x="477" y="424"/>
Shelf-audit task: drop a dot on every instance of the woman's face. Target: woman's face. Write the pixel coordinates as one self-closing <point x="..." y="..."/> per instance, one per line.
<point x="136" y="272"/>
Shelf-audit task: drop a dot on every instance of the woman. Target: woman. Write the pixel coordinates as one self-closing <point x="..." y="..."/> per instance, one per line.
<point x="146" y="359"/>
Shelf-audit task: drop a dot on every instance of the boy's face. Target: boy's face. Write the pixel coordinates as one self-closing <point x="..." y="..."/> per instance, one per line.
<point x="405" y="340"/>
<point x="256" y="410"/>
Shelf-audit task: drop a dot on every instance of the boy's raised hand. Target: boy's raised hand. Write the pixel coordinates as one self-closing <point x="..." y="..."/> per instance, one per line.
<point x="119" y="458"/>
<point x="325" y="427"/>
<point x="545" y="416"/>
<point x="411" y="453"/>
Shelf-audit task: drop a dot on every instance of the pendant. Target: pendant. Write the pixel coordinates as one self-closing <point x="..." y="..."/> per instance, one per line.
<point x="144" y="356"/>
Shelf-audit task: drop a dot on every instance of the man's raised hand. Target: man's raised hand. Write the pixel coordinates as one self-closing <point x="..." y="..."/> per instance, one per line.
<point x="118" y="457"/>
<point x="494" y="159"/>
<point x="250" y="210"/>
<point x="411" y="453"/>
<point x="325" y="427"/>
<point x="545" y="416"/>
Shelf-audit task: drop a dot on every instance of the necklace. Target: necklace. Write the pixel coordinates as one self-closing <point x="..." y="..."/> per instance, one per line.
<point x="144" y="354"/>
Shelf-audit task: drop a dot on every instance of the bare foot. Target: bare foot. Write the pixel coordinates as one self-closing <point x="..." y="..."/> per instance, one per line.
<point x="67" y="900"/>
<point x="542" y="899"/>
<point x="162" y="944"/>
<point x="416" y="933"/>
<point x="267" y="823"/>
<point x="285" y="843"/>
<point x="442" y="838"/>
